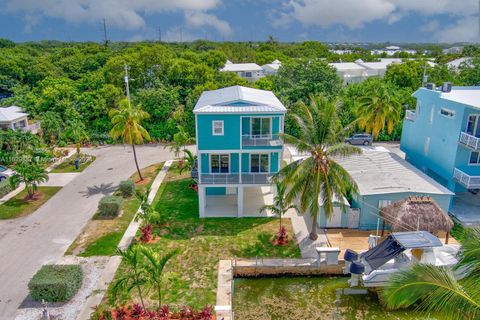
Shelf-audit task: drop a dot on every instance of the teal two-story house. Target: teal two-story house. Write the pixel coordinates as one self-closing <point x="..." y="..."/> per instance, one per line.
<point x="442" y="138"/>
<point x="238" y="148"/>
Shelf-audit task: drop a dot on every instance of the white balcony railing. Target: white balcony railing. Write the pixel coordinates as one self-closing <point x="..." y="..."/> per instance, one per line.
<point x="262" y="140"/>
<point x="410" y="115"/>
<point x="469" y="140"/>
<point x="469" y="182"/>
<point x="234" y="178"/>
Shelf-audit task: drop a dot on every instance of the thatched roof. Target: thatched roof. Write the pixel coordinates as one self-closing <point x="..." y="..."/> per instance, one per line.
<point x="413" y="212"/>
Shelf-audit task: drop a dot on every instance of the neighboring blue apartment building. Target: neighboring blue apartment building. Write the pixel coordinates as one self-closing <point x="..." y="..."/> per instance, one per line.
<point x="238" y="147"/>
<point x="442" y="138"/>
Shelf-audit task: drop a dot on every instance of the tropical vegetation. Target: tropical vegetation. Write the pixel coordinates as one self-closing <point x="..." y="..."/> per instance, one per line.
<point x="30" y="174"/>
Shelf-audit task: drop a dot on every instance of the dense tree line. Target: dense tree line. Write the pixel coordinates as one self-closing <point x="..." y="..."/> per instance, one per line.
<point x="72" y="84"/>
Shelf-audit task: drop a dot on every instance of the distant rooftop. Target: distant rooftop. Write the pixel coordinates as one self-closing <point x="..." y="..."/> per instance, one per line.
<point x="238" y="99"/>
<point x="12" y="113"/>
<point x="236" y="67"/>
<point x="342" y="66"/>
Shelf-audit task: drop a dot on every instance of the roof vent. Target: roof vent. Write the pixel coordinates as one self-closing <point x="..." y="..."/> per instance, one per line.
<point x="447" y="87"/>
<point x="430" y="86"/>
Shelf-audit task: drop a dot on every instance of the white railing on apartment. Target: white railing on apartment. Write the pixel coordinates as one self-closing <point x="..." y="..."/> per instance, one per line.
<point x="410" y="115"/>
<point x="234" y="178"/>
<point x="261" y="140"/>
<point x="469" y="140"/>
<point x="469" y="182"/>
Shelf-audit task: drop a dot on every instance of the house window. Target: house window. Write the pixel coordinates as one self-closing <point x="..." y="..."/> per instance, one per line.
<point x="261" y="127"/>
<point x="426" y="146"/>
<point x="473" y="125"/>
<point x="474" y="157"/>
<point x="259" y="163"/>
<point x="217" y="127"/>
<point x="432" y="111"/>
<point x="219" y="163"/>
<point x="384" y="203"/>
<point x="419" y="106"/>
<point x="447" y="113"/>
<point x="248" y="74"/>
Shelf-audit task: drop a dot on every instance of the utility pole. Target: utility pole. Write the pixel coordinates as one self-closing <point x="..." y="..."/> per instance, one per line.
<point x="105" y="38"/>
<point x="159" y="34"/>
<point x="181" y="35"/>
<point x="127" y="88"/>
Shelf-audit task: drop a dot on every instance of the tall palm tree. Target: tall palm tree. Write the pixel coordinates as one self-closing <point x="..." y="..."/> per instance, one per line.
<point x="378" y="107"/>
<point x="318" y="174"/>
<point x="31" y="174"/>
<point x="135" y="276"/>
<point x="280" y="204"/>
<point x="126" y="121"/>
<point x="454" y="293"/>
<point x="154" y="266"/>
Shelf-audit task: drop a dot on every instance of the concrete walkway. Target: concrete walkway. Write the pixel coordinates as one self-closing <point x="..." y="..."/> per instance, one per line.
<point x="301" y="227"/>
<point x="29" y="242"/>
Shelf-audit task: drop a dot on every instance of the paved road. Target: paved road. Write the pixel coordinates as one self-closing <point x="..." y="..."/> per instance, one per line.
<point x="42" y="237"/>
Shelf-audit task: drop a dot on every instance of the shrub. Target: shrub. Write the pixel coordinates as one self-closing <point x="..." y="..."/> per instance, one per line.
<point x="56" y="283"/>
<point x="110" y="206"/>
<point x="127" y="188"/>
<point x="5" y="187"/>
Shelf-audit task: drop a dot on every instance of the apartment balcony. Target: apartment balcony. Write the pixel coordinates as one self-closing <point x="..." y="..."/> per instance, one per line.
<point x="469" y="141"/>
<point x="466" y="180"/>
<point x="268" y="140"/>
<point x="410" y="115"/>
<point x="235" y="178"/>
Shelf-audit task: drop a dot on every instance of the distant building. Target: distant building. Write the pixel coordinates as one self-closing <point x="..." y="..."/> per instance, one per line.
<point x="271" y="68"/>
<point x="14" y="118"/>
<point x="442" y="138"/>
<point x="453" y="50"/>
<point x="378" y="68"/>
<point x="460" y="62"/>
<point x="350" y="72"/>
<point x="248" y="71"/>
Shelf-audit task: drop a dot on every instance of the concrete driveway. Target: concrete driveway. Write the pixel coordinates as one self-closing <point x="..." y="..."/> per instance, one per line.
<point x="43" y="237"/>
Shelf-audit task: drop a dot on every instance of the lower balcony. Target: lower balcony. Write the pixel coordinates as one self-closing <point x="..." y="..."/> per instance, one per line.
<point x="235" y="178"/>
<point x="466" y="180"/>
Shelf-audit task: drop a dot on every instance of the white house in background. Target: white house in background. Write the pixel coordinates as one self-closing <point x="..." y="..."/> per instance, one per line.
<point x="377" y="68"/>
<point x="453" y="50"/>
<point x="350" y="72"/>
<point x="14" y="118"/>
<point x="249" y="71"/>
<point x="457" y="63"/>
<point x="271" y="68"/>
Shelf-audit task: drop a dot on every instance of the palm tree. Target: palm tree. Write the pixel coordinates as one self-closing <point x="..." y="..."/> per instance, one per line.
<point x="378" y="107"/>
<point x="155" y="264"/>
<point x="135" y="275"/>
<point x="190" y="160"/>
<point x="318" y="174"/>
<point x="280" y="206"/>
<point x="180" y="140"/>
<point x="31" y="174"/>
<point x="77" y="132"/>
<point x="454" y="293"/>
<point x="126" y="121"/>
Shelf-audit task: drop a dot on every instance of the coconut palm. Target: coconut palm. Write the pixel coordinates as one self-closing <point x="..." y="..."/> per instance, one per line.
<point x="190" y="160"/>
<point x="180" y="140"/>
<point x="31" y="174"/>
<point x="318" y="174"/>
<point x="280" y="205"/>
<point x="126" y="121"/>
<point x="154" y="266"/>
<point x="135" y="276"/>
<point x="454" y="293"/>
<point x="77" y="132"/>
<point x="378" y="107"/>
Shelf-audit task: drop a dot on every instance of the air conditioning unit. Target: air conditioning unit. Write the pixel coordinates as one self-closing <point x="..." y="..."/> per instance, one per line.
<point x="430" y="86"/>
<point x="447" y="87"/>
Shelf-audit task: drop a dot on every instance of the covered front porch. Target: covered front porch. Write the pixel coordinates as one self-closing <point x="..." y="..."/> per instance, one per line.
<point x="232" y="202"/>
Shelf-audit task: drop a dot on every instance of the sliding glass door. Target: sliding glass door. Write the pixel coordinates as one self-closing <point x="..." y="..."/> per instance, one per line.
<point x="219" y="163"/>
<point x="261" y="127"/>
<point x="259" y="163"/>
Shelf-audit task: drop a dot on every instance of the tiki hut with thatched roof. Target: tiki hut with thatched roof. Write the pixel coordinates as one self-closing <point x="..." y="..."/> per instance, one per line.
<point x="416" y="213"/>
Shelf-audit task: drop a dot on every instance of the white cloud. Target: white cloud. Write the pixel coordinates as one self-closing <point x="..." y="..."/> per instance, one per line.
<point x="125" y="14"/>
<point x="196" y="19"/>
<point x="463" y="30"/>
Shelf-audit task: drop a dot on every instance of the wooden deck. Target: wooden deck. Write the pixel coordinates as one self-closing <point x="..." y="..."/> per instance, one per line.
<point x="358" y="239"/>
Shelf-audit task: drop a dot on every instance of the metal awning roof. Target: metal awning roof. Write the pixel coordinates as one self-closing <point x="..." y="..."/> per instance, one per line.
<point x="416" y="239"/>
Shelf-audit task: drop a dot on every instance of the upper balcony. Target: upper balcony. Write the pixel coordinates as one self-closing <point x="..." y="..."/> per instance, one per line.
<point x="410" y="115"/>
<point x="267" y="140"/>
<point x="235" y="178"/>
<point x="469" y="141"/>
<point x="468" y="181"/>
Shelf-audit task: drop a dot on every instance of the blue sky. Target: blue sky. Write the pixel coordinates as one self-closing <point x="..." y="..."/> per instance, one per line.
<point x="242" y="20"/>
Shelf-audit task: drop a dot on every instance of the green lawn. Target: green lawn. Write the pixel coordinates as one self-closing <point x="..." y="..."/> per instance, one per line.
<point x="203" y="242"/>
<point x="17" y="206"/>
<point x="101" y="236"/>
<point x="68" y="166"/>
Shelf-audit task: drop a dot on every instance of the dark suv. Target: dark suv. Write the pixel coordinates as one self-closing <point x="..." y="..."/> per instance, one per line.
<point x="360" y="139"/>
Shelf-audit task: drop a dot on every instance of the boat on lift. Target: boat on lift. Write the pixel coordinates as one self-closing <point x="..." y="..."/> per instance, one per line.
<point x="399" y="251"/>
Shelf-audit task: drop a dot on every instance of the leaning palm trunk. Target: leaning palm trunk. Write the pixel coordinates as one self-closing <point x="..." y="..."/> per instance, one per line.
<point x="136" y="162"/>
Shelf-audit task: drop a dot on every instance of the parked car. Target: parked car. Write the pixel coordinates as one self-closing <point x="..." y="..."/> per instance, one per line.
<point x="360" y="139"/>
<point x="5" y="173"/>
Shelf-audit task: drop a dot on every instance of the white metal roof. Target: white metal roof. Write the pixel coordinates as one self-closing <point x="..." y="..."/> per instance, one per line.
<point x="466" y="95"/>
<point x="238" y="99"/>
<point x="344" y="66"/>
<point x="458" y="62"/>
<point x="12" y="113"/>
<point x="236" y="67"/>
<point x="377" y="171"/>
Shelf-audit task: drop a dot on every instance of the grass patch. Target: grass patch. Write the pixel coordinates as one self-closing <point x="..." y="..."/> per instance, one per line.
<point x="203" y="242"/>
<point x="68" y="166"/>
<point x="18" y="206"/>
<point x="101" y="236"/>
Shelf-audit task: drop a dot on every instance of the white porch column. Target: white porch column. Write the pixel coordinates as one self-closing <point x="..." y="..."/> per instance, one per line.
<point x="240" y="202"/>
<point x="202" y="201"/>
